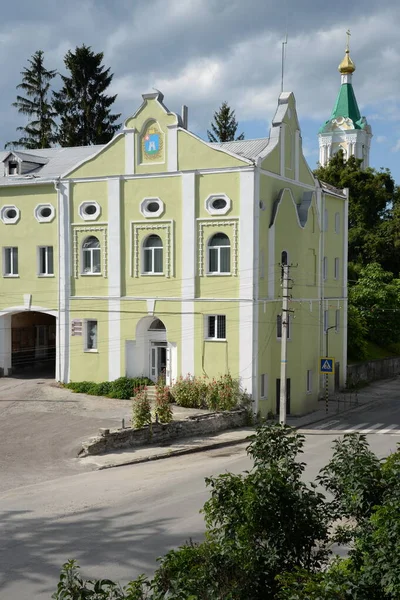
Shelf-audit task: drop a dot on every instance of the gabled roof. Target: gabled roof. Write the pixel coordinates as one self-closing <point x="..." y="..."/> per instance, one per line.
<point x="246" y="148"/>
<point x="52" y="163"/>
<point x="26" y="157"/>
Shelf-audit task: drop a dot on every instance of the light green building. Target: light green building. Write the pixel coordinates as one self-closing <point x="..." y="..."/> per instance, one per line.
<point x="161" y="253"/>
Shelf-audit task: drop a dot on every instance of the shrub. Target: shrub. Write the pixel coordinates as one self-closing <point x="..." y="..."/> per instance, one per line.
<point x="190" y="392"/>
<point x="81" y="387"/>
<point x="141" y="412"/>
<point x="163" y="410"/>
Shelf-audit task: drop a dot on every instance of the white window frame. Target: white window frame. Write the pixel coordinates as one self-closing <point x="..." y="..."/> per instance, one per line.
<point x="215" y="338"/>
<point x="337" y="267"/>
<point x="208" y="204"/>
<point x="39" y="261"/>
<point x="325" y="268"/>
<point x="12" y="261"/>
<point x="309" y="381"/>
<point x="37" y="213"/>
<point x="219" y="273"/>
<point x="151" y="251"/>
<point x="90" y="273"/>
<point x="148" y="214"/>
<point x="337" y="320"/>
<point x="84" y="205"/>
<point x="12" y="220"/>
<point x="264" y="385"/>
<point x="86" y="335"/>
<point x="289" y="328"/>
<point x="337" y="222"/>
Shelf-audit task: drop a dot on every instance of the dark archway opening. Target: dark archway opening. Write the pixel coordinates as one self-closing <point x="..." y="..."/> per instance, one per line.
<point x="33" y="344"/>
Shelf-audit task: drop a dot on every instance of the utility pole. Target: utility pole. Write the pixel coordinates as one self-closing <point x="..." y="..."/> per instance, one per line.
<point x="326" y="374"/>
<point x="285" y="323"/>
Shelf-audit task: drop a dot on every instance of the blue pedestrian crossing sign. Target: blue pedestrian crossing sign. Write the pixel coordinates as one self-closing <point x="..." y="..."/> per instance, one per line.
<point x="327" y="365"/>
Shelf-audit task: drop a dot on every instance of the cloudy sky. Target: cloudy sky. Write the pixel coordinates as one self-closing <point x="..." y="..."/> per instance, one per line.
<point x="202" y="52"/>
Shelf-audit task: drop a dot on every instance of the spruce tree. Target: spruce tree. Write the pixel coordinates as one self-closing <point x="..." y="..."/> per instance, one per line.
<point x="82" y="105"/>
<point x="40" y="131"/>
<point x="224" y="127"/>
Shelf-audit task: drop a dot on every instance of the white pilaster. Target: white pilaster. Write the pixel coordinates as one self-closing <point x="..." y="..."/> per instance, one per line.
<point x="130" y="143"/>
<point x="114" y="278"/>
<point x="172" y="148"/>
<point x="114" y="237"/>
<point x="246" y="284"/>
<point x="5" y="344"/>
<point x="297" y="155"/>
<point x="64" y="278"/>
<point x="282" y="141"/>
<point x="188" y="258"/>
<point x="271" y="262"/>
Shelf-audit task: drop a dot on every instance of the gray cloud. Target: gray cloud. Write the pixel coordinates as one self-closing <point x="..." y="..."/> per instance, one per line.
<point x="201" y="52"/>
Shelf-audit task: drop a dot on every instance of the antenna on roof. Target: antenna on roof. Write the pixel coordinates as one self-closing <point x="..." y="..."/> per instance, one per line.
<point x="284" y="44"/>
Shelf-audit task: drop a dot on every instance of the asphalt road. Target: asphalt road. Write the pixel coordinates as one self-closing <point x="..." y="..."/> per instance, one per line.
<point x="116" y="522"/>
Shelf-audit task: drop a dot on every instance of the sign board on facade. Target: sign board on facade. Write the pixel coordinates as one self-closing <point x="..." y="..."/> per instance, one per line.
<point x="327" y="365"/>
<point x="76" y="327"/>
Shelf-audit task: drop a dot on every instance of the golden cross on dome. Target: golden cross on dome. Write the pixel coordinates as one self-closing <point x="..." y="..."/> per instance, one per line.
<point x="348" y="39"/>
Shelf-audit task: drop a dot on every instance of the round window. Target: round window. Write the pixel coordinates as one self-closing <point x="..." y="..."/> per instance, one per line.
<point x="90" y="209"/>
<point x="152" y="207"/>
<point x="45" y="212"/>
<point x="11" y="213"/>
<point x="219" y="203"/>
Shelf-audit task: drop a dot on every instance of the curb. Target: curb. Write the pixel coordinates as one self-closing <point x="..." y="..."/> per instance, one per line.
<point x="226" y="444"/>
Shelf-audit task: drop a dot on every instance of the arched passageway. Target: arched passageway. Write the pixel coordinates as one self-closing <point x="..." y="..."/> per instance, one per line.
<point x="33" y="343"/>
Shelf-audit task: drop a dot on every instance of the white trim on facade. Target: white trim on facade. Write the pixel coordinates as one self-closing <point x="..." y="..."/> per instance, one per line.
<point x="114" y="339"/>
<point x="282" y="155"/>
<point x="135" y="247"/>
<point x="64" y="278"/>
<point x="114" y="237"/>
<point x="246" y="283"/>
<point x="172" y="147"/>
<point x="189" y="243"/>
<point x="203" y="223"/>
<point x="130" y="146"/>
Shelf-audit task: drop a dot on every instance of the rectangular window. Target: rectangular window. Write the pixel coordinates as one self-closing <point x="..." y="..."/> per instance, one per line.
<point x="325" y="268"/>
<point x="10" y="262"/>
<point x="263" y="386"/>
<point x="337" y="320"/>
<point x="279" y="327"/>
<point x="309" y="381"/>
<point x="326" y="320"/>
<point x="216" y="327"/>
<point x="337" y="223"/>
<point x="336" y="268"/>
<point x="46" y="261"/>
<point x="91" y="336"/>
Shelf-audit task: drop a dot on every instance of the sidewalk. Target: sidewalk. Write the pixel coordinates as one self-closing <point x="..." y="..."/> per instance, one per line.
<point x="373" y="393"/>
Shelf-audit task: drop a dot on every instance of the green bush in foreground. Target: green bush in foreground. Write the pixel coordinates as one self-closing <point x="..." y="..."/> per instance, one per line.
<point x="122" y="388"/>
<point x="222" y="393"/>
<point x="269" y="534"/>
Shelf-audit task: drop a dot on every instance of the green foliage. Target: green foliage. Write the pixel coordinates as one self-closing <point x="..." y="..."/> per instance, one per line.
<point x="356" y="333"/>
<point x="163" y="408"/>
<point x="222" y="393"/>
<point x="224" y="127"/>
<point x="141" y="410"/>
<point x="269" y="533"/>
<point x="40" y="130"/>
<point x="72" y="586"/>
<point x="122" y="388"/>
<point x="82" y="103"/>
<point x="376" y="297"/>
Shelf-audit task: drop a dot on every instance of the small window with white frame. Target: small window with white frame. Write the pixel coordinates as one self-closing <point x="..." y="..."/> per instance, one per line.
<point x="219" y="255"/>
<point x="91" y="256"/>
<point x="309" y="381"/>
<point x="46" y="261"/>
<point x="325" y="268"/>
<point x="263" y="386"/>
<point x="216" y="327"/>
<point x="90" y="336"/>
<point x="336" y="271"/>
<point x="337" y="222"/>
<point x="10" y="262"/>
<point x="337" y="320"/>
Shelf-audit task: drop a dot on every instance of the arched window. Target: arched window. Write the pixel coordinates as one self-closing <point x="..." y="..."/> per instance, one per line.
<point x="219" y="254"/>
<point x="91" y="255"/>
<point x="284" y="258"/>
<point x="153" y="255"/>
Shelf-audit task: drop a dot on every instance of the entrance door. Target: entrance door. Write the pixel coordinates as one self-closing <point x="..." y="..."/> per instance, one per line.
<point x="278" y="395"/>
<point x="158" y="361"/>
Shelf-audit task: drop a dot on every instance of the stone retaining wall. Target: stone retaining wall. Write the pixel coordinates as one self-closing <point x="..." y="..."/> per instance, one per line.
<point x="158" y="433"/>
<point x="373" y="370"/>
